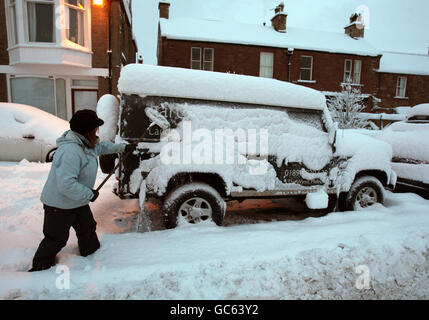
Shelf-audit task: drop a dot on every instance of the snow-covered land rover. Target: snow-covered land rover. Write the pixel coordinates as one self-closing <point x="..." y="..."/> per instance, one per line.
<point x="239" y="137"/>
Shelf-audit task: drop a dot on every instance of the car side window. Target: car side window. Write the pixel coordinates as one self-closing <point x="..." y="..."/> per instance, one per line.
<point x="308" y="117"/>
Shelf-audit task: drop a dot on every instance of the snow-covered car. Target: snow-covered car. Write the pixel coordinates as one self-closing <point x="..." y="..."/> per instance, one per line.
<point x="409" y="141"/>
<point x="236" y="137"/>
<point x="28" y="133"/>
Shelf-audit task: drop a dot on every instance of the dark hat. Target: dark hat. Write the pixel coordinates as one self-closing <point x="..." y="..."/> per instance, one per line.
<point x="85" y="121"/>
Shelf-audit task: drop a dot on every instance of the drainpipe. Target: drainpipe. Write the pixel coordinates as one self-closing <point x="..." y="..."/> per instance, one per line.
<point x="109" y="50"/>
<point x="289" y="53"/>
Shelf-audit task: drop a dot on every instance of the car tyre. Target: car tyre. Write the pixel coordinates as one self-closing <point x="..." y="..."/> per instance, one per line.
<point x="365" y="192"/>
<point x="50" y="155"/>
<point x="193" y="203"/>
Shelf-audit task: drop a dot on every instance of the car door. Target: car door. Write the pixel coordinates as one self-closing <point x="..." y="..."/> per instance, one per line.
<point x="14" y="144"/>
<point x="294" y="174"/>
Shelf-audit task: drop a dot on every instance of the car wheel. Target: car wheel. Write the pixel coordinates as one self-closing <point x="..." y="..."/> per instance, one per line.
<point x="365" y="192"/>
<point x="193" y="204"/>
<point x="50" y="156"/>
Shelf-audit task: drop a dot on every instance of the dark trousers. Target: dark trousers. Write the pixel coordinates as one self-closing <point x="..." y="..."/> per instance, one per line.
<point x="56" y="229"/>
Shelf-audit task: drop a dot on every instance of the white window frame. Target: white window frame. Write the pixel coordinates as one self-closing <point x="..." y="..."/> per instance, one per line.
<point x="211" y="61"/>
<point x="266" y="69"/>
<point x="303" y="68"/>
<point x="26" y="25"/>
<point x="12" y="22"/>
<point x="84" y="11"/>
<point x="348" y="74"/>
<point x="357" y="71"/>
<point x="399" y="87"/>
<point x="196" y="61"/>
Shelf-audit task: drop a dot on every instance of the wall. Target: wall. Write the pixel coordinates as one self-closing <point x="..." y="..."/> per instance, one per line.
<point x="328" y="68"/>
<point x="121" y="42"/>
<point x="417" y="90"/>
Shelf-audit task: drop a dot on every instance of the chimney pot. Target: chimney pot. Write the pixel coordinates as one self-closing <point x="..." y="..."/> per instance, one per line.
<point x="356" y="28"/>
<point x="164" y="9"/>
<point x="279" y="20"/>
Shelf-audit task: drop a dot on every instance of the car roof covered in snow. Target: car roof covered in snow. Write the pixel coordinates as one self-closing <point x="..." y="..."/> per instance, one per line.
<point x="260" y="35"/>
<point x="147" y="80"/>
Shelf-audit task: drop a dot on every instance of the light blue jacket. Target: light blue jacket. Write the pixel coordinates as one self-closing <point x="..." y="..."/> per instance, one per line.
<point x="74" y="171"/>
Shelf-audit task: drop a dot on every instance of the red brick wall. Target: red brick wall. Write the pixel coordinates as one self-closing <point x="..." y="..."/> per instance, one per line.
<point x="121" y="42"/>
<point x="4" y="55"/>
<point x="417" y="90"/>
<point x="328" y="68"/>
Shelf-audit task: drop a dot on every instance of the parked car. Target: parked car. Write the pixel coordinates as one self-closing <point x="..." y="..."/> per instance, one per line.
<point x="284" y="144"/>
<point x="28" y="133"/>
<point x="409" y="140"/>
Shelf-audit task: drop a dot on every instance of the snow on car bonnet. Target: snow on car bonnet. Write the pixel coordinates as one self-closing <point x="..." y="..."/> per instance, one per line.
<point x="146" y="80"/>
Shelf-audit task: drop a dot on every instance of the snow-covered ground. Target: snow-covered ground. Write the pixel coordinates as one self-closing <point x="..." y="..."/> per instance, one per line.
<point x="326" y="257"/>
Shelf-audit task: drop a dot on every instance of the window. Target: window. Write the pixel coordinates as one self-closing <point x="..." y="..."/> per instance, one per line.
<point x="348" y="71"/>
<point x="356" y="71"/>
<point x="401" y="86"/>
<point x="13" y="35"/>
<point x="40" y="16"/>
<point x="266" y="65"/>
<point x="38" y="92"/>
<point x="352" y="71"/>
<point x="306" y="68"/>
<point x="208" y="59"/>
<point x="196" y="58"/>
<point x="75" y="14"/>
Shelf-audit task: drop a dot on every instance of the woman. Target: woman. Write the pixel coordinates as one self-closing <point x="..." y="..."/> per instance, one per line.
<point x="69" y="189"/>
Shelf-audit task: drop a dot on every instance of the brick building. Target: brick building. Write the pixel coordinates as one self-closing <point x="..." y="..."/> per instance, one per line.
<point x="62" y="55"/>
<point x="403" y="79"/>
<point x="317" y="59"/>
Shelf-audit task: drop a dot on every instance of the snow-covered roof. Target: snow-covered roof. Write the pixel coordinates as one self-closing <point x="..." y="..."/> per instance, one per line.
<point x="259" y="35"/>
<point x="147" y="80"/>
<point x="404" y="63"/>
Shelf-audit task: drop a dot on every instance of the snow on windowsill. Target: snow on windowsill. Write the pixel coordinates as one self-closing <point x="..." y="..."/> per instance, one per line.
<point x="404" y="98"/>
<point x="352" y="84"/>
<point x="306" y="81"/>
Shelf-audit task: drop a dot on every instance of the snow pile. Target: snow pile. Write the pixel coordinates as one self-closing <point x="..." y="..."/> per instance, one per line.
<point x="316" y="258"/>
<point x="317" y="200"/>
<point x="108" y="111"/>
<point x="146" y="80"/>
<point x="17" y="121"/>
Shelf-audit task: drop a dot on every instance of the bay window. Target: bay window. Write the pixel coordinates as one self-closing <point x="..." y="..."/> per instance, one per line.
<point x="75" y="15"/>
<point x="40" y="20"/>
